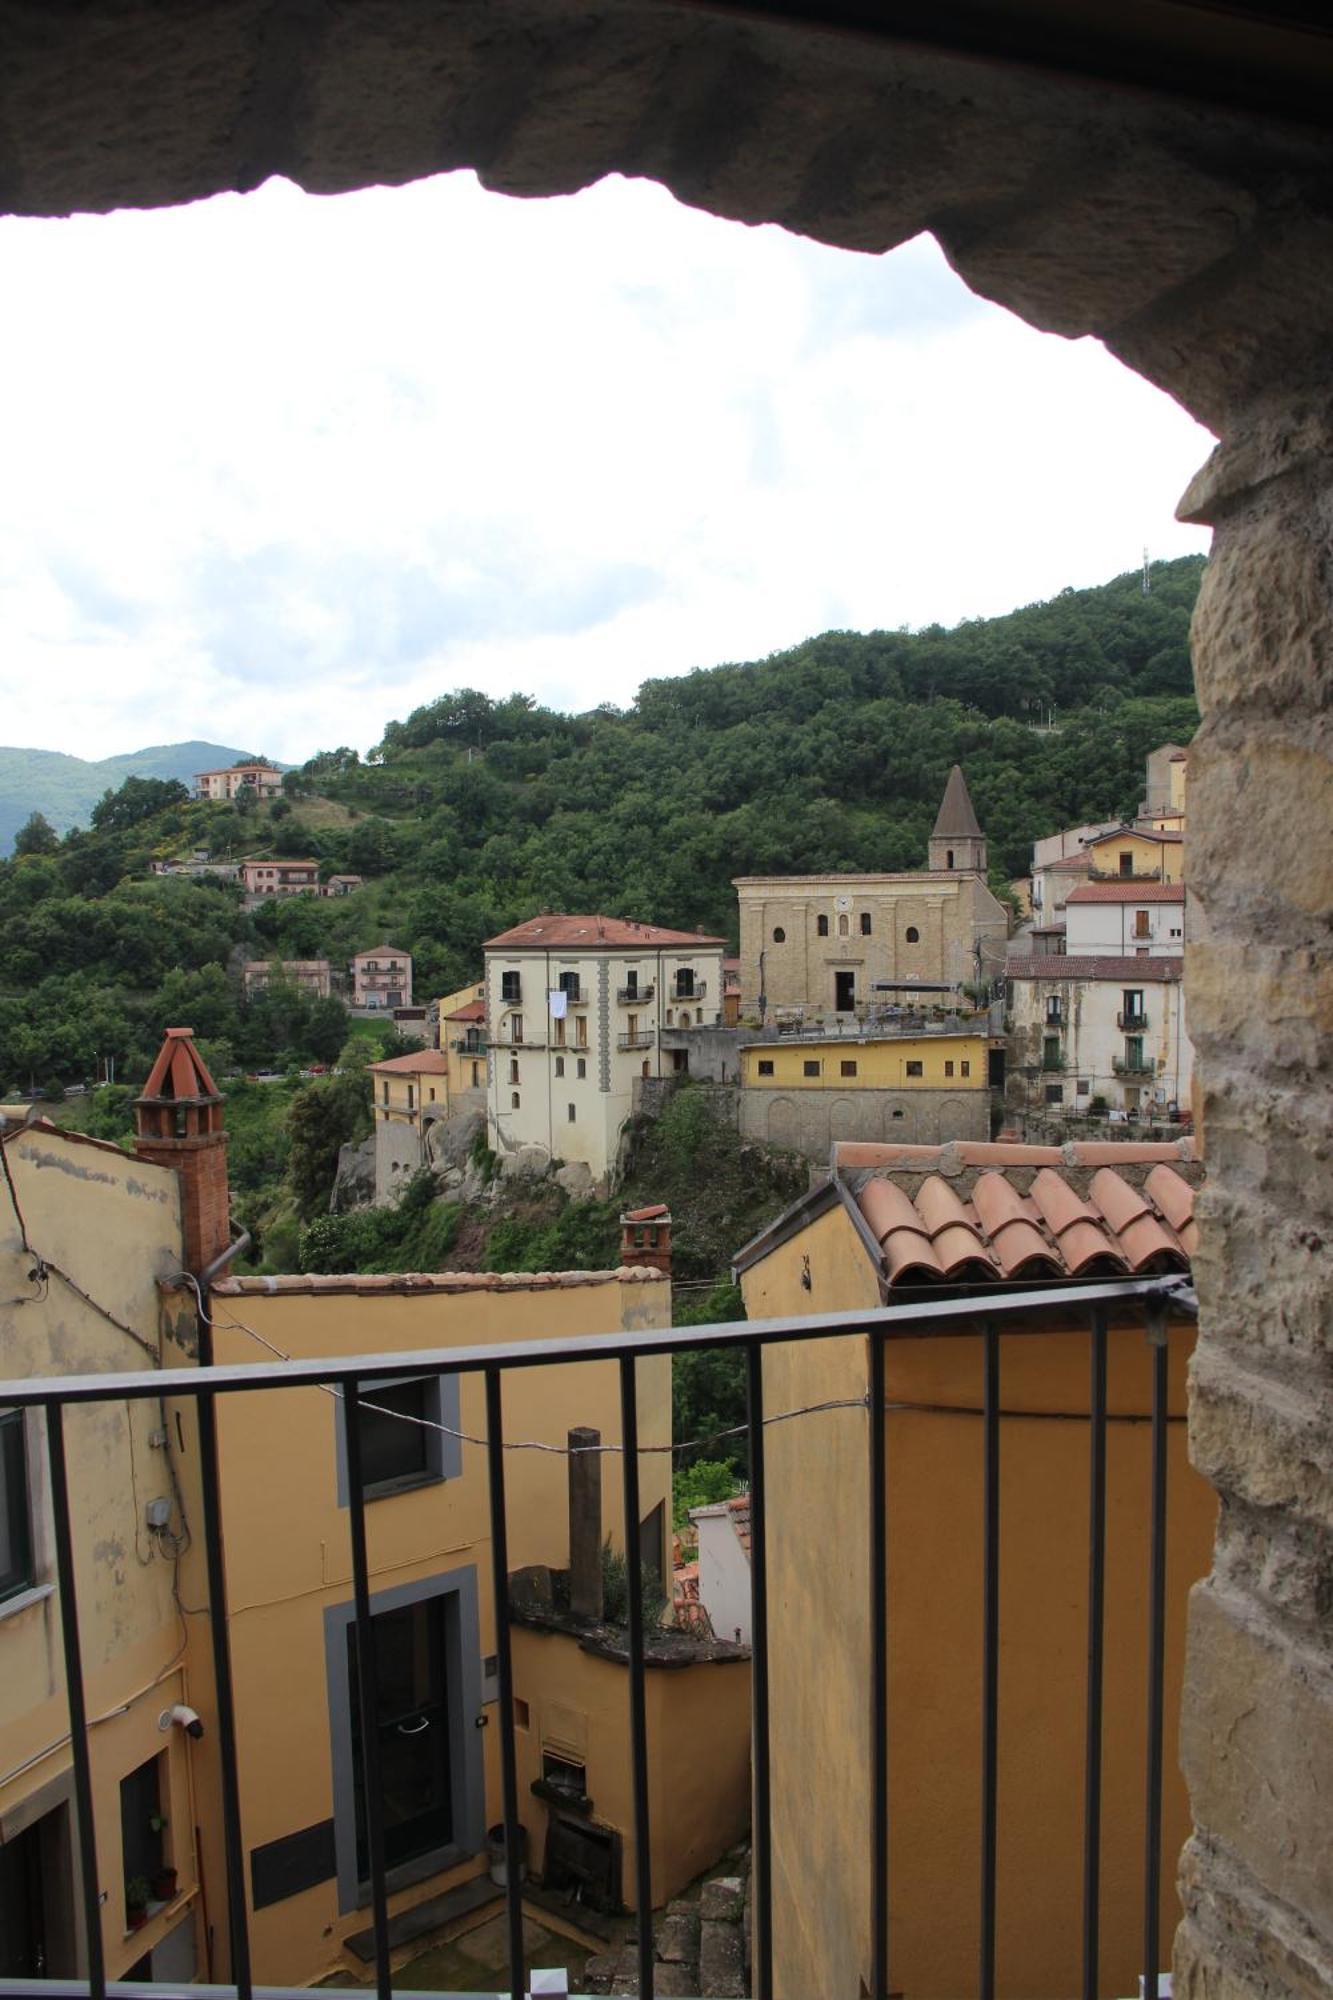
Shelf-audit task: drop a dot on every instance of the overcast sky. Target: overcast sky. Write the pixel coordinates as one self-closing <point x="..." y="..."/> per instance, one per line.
<point x="278" y="468"/>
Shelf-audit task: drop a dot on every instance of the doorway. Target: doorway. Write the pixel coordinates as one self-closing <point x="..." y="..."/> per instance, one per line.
<point x="844" y="992"/>
<point x="37" y="1931"/>
<point x="412" y="1702"/>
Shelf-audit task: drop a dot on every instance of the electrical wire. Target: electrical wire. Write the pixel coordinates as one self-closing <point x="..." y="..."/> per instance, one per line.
<point x="530" y="1444"/>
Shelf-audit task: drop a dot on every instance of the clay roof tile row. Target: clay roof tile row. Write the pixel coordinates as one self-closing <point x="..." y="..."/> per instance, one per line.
<point x="932" y="1226"/>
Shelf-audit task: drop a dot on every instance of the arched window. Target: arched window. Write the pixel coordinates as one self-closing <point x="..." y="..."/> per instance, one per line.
<point x="779" y="935"/>
<point x="865" y="923"/>
<point x="948" y="857"/>
<point x="647" y="1067"/>
<point x="513" y="1100"/>
<point x="912" y="934"/>
<point x="821" y="926"/>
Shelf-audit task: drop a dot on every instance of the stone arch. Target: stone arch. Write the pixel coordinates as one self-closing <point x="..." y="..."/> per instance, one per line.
<point x="784" y="1123"/>
<point x="1194" y="240"/>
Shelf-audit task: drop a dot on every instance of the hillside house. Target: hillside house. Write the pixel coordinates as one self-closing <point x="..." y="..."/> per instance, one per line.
<point x="1098" y="1031"/>
<point x="257" y="780"/>
<point x="382" y="978"/>
<point x="576" y="1006"/>
<point x="1125" y="919"/>
<point x="314" y="976"/>
<point x="280" y="878"/>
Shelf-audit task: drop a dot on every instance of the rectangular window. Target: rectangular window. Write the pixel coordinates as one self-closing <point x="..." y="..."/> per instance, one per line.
<point x="632" y="985"/>
<point x="511" y="987"/>
<point x="1142" y="924"/>
<point x="141" y="1826"/>
<point x="915" y="1069"/>
<point x="632" y="1026"/>
<point x="948" y="1067"/>
<point x="384" y="1093"/>
<point x="765" y="1066"/>
<point x="16" y="1564"/>
<point x="821" y="926"/>
<point x="513" y="1069"/>
<point x="846" y="1068"/>
<point x="1127" y="864"/>
<point x="572" y="1114"/>
<point x="582" y="1067"/>
<point x="810" y="1068"/>
<point x="559" y="1065"/>
<point x="685" y="982"/>
<point x="558" y="1032"/>
<point x="411" y="1097"/>
<point x="965" y="1068"/>
<point x="1131" y="999"/>
<point x="515" y="1027"/>
<point x="865" y="923"/>
<point x="401" y="1444"/>
<point x="569" y="984"/>
<point x="1055" y="1093"/>
<point x="581" y="1031"/>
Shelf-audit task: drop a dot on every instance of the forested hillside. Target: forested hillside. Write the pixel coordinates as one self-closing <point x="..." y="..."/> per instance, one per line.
<point x="471" y="814"/>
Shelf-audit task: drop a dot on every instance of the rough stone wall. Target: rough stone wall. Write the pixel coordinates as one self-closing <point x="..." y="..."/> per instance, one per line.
<point x="808" y="1121"/>
<point x="1195" y="242"/>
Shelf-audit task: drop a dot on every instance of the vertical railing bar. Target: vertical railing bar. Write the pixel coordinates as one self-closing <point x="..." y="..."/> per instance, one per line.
<point x="1152" y="1862"/>
<point x="879" y="1678"/>
<point x="78" y="1713"/>
<point x="990" y="1648"/>
<point x="1092" y="1767"/>
<point x="238" y="1927"/>
<point x="505" y="1675"/>
<point x="367" y="1681"/>
<point x="638" y="1712"/>
<point x="762" y="1845"/>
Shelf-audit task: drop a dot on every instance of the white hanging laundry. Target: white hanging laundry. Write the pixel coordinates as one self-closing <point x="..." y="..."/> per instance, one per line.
<point x="559" y="1002"/>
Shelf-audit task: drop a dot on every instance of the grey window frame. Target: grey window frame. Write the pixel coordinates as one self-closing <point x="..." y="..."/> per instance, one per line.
<point x="444" y="1454"/>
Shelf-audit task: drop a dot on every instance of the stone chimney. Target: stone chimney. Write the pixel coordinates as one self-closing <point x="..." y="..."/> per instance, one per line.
<point x="178" y="1123"/>
<point x="645" y="1237"/>
<point x="585" y="1524"/>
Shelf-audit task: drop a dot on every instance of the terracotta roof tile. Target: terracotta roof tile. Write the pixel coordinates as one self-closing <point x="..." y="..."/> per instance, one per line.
<point x="591" y="932"/>
<point x="945" y="1213"/>
<point x="1064" y="965"/>
<point x="739" y="1509"/>
<point x="1128" y="892"/>
<point x="404" y="1282"/>
<point x="426" y="1062"/>
<point x="474" y="1011"/>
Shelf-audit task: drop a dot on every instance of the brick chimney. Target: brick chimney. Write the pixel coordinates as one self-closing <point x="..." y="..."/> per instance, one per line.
<point x="645" y="1237"/>
<point x="178" y="1123"/>
<point x="585" y="1523"/>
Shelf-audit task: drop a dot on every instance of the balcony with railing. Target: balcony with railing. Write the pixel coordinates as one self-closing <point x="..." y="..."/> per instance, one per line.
<point x="1133" y="1023"/>
<point x="695" y="992"/>
<point x="642" y="1038"/>
<point x="470" y="1045"/>
<point x="1134" y="1065"/>
<point x="1004" y="1321"/>
<point x="1136" y="874"/>
<point x="630" y="996"/>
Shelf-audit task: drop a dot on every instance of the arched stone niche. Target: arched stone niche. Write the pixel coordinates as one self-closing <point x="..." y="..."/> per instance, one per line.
<point x="1195" y="242"/>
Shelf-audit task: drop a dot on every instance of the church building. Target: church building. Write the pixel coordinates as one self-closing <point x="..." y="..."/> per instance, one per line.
<point x="845" y="944"/>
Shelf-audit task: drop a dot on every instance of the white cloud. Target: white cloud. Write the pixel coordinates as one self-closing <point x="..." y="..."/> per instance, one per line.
<point x="278" y="467"/>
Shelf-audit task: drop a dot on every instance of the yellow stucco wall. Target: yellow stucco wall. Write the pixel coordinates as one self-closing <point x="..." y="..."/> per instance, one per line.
<point x="288" y="1556"/>
<point x="698" y="1752"/>
<point x="956" y="1062"/>
<point x="112" y="1224"/>
<point x="819" y="1538"/>
<point x="1168" y="855"/>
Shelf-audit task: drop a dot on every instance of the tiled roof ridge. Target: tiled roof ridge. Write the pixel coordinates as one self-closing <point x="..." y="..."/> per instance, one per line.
<point x="559" y="929"/>
<point x="425" y="1062"/>
<point x="292" y="1284"/>
<point x="1128" y="892"/>
<point x="1163" y="968"/>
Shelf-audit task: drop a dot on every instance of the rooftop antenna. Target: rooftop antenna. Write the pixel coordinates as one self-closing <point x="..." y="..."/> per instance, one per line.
<point x="1146" y="580"/>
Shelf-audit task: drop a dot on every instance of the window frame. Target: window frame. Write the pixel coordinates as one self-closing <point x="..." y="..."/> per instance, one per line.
<point x="765" y="1065"/>
<point x="915" y="1066"/>
<point x="444" y="1454"/>
<point x="21" y="1575"/>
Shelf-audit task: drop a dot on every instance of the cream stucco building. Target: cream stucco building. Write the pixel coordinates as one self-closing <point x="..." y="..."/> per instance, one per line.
<point x="842" y="944"/>
<point x="574" y="1007"/>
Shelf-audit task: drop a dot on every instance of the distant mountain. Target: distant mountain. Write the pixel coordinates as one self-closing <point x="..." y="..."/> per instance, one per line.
<point x="67" y="788"/>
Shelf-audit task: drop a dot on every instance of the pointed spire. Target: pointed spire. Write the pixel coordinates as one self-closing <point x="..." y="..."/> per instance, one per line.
<point x="956" y="820"/>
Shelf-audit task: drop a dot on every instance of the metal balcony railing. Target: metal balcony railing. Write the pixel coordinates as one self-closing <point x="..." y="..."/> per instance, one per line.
<point x="695" y="992"/>
<point x="1134" y="1066"/>
<point x="642" y="1039"/>
<point x="629" y="996"/>
<point x="1133" y="1024"/>
<point x="461" y="1046"/>
<point x="990" y="1315"/>
<point x="1119" y="875"/>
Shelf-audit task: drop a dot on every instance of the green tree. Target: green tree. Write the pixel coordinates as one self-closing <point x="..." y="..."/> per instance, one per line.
<point x="137" y="799"/>
<point x="36" y="836"/>
<point x="323" y="1117"/>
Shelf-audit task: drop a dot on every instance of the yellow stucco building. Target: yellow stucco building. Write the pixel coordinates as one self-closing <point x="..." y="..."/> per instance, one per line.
<point x="806" y="1091"/>
<point x="118" y="1263"/>
<point x="889" y="1219"/>
<point x="1133" y="853"/>
<point x="79" y="1280"/>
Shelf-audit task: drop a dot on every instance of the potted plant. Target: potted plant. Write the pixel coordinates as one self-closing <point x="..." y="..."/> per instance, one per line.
<point x="136" y="1902"/>
<point x="164" y="1885"/>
